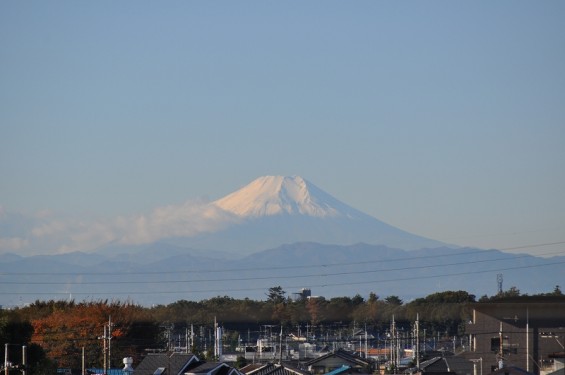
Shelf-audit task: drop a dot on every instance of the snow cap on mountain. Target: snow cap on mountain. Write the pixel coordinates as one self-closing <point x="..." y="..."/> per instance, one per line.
<point x="276" y="195"/>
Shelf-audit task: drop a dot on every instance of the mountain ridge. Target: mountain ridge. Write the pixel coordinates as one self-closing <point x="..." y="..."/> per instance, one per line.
<point x="328" y="270"/>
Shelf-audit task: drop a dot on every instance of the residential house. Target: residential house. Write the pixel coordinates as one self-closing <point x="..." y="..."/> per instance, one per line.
<point x="522" y="332"/>
<point x="212" y="368"/>
<point x="271" y="369"/>
<point x="337" y="359"/>
<point x="453" y="365"/>
<point x="181" y="364"/>
<point x="558" y="360"/>
<point x="166" y="364"/>
<point x="378" y="354"/>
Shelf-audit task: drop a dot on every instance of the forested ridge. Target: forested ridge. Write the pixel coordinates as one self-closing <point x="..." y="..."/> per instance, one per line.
<point x="56" y="332"/>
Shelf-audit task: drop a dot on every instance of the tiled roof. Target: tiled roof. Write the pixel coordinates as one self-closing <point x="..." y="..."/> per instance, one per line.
<point x="340" y="353"/>
<point x="274" y="369"/>
<point x="338" y="370"/>
<point x="458" y="365"/>
<point x="173" y="364"/>
<point x="214" y="368"/>
<point x="250" y="367"/>
<point x="205" y="367"/>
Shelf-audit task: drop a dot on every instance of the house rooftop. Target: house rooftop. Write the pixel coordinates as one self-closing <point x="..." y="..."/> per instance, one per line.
<point x="165" y="364"/>
<point x="272" y="369"/>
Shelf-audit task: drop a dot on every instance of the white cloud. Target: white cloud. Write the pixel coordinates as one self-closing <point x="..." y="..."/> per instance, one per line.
<point x="186" y="220"/>
<point x="43" y="233"/>
<point x="50" y="228"/>
<point x="11" y="244"/>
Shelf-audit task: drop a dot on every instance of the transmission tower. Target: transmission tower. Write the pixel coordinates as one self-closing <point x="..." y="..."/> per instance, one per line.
<point x="499" y="282"/>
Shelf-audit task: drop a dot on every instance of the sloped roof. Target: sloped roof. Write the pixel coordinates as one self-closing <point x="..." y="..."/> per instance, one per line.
<point x="458" y="365"/>
<point x="339" y="370"/>
<point x="205" y="367"/>
<point x="215" y="368"/>
<point x="273" y="369"/>
<point x="436" y="364"/>
<point x="170" y="364"/>
<point x="250" y="367"/>
<point x="340" y="353"/>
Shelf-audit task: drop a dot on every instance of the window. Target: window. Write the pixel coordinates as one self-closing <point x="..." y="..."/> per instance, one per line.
<point x="507" y="347"/>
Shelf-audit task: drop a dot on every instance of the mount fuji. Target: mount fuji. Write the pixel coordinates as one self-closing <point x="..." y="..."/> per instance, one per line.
<point x="275" y="210"/>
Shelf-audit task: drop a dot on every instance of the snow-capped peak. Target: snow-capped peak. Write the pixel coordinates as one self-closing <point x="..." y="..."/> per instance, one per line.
<point x="275" y="195"/>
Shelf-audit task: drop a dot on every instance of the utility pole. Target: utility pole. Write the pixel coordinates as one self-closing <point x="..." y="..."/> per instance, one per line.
<point x="280" y="345"/>
<point x="393" y="344"/>
<point x="366" y="341"/>
<point x="528" y="340"/>
<point x="417" y="341"/>
<point x="24" y="359"/>
<point x="109" y="342"/>
<point x="106" y="344"/>
<point x="191" y="336"/>
<point x="215" y="338"/>
<point x="500" y="351"/>
<point x="6" y="359"/>
<point x="105" y="351"/>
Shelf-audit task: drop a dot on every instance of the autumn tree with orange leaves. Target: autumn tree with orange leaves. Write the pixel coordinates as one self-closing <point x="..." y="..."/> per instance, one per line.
<point x="67" y="328"/>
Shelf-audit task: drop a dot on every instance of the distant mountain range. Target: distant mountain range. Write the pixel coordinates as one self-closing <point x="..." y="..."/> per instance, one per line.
<point x="162" y="274"/>
<point x="275" y="231"/>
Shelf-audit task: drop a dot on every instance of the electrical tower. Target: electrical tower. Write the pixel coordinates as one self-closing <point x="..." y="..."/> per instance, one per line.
<point x="499" y="282"/>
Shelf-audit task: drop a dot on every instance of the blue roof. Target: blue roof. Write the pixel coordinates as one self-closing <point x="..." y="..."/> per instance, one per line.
<point x="111" y="371"/>
<point x="338" y="370"/>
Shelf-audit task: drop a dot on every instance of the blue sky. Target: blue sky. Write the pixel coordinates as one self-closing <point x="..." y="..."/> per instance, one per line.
<point x="446" y="119"/>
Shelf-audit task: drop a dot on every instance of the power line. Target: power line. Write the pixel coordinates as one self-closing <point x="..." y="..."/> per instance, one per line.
<point x="269" y="277"/>
<point x="223" y="290"/>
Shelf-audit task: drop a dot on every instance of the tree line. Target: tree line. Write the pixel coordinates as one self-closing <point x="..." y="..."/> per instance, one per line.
<point x="56" y="333"/>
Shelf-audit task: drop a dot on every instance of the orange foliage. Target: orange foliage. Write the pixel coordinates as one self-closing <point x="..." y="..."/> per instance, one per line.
<point x="65" y="331"/>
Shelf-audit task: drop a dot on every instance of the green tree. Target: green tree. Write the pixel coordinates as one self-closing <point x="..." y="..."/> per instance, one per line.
<point x="393" y="300"/>
<point x="276" y="294"/>
<point x="512" y="292"/>
<point x="16" y="333"/>
<point x="357" y="300"/>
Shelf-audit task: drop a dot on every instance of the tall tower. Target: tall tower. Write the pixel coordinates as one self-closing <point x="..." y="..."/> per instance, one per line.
<point x="499" y="282"/>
